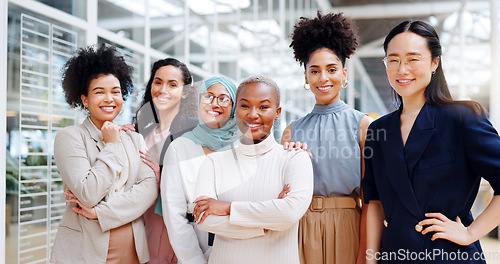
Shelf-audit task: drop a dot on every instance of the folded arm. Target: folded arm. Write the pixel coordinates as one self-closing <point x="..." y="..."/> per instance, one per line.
<point x="131" y="204"/>
<point x="88" y="182"/>
<point x="276" y="214"/>
<point x="182" y="235"/>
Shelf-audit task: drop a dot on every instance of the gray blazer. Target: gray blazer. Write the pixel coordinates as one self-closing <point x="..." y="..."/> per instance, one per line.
<point x="87" y="167"/>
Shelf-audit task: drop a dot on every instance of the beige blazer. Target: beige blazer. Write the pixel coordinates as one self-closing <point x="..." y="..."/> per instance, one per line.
<point x="87" y="167"/>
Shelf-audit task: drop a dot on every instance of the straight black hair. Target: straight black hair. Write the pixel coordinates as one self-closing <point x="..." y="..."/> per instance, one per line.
<point x="437" y="92"/>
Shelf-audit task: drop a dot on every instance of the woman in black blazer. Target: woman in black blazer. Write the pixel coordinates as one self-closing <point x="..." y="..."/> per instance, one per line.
<point x="424" y="162"/>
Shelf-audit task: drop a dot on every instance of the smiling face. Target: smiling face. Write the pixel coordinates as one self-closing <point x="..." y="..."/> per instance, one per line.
<point x="212" y="114"/>
<point x="410" y="84"/>
<point x="256" y="109"/>
<point x="167" y="88"/>
<point x="325" y="74"/>
<point x="104" y="99"/>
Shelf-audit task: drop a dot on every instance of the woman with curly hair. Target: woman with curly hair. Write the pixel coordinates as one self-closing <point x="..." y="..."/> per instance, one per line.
<point x="334" y="133"/>
<point x="109" y="186"/>
<point x="166" y="113"/>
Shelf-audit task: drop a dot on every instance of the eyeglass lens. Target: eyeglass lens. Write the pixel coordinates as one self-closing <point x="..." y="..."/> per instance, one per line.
<point x="393" y="62"/>
<point x="222" y="100"/>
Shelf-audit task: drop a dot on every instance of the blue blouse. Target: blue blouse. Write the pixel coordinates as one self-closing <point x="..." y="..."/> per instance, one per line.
<point x="332" y="135"/>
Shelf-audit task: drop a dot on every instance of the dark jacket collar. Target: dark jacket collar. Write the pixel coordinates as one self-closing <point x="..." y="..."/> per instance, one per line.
<point x="400" y="160"/>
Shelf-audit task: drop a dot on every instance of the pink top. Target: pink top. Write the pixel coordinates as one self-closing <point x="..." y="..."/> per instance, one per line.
<point x="160" y="250"/>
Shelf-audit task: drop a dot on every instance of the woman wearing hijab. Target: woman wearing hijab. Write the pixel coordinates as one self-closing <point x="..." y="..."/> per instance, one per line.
<point x="216" y="131"/>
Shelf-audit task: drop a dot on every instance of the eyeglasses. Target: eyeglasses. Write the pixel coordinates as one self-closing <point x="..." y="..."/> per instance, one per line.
<point x="412" y="62"/>
<point x="222" y="100"/>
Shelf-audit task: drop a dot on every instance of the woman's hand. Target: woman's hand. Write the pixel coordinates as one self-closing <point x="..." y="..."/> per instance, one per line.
<point x="127" y="127"/>
<point x="285" y="191"/>
<point x="152" y="162"/>
<point x="110" y="132"/>
<point x="445" y="228"/>
<point x="296" y="146"/>
<point x="210" y="206"/>
<point x="283" y="194"/>
<point x="80" y="208"/>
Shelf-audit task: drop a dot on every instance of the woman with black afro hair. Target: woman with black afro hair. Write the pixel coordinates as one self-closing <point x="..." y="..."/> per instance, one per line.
<point x="108" y="185"/>
<point x="334" y="133"/>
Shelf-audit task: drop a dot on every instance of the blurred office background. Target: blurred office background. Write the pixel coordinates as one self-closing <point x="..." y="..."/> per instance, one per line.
<point x="234" y="38"/>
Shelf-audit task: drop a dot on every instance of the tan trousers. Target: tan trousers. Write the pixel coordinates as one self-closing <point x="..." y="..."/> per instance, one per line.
<point x="122" y="246"/>
<point x="330" y="236"/>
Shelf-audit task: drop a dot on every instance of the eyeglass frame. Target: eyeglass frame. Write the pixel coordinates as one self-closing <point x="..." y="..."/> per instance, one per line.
<point x="213" y="96"/>
<point x="407" y="63"/>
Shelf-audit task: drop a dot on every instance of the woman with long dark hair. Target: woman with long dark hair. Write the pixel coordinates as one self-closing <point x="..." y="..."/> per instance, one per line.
<point x="166" y="113"/>
<point x="424" y="162"/>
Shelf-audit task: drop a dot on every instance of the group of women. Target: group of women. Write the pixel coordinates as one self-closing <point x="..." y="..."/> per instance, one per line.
<point x="219" y="188"/>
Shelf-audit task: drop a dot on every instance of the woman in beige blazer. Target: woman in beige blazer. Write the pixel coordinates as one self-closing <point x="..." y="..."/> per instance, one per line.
<point x="108" y="184"/>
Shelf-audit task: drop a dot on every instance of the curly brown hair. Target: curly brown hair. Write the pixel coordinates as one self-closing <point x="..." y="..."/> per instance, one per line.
<point x="332" y="31"/>
<point x="88" y="64"/>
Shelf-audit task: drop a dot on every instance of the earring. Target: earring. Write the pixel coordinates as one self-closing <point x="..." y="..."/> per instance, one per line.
<point x="306" y="86"/>
<point x="344" y="84"/>
<point x="276" y="122"/>
<point x="434" y="71"/>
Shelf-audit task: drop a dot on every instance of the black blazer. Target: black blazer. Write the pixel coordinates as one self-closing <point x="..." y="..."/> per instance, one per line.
<point x="439" y="169"/>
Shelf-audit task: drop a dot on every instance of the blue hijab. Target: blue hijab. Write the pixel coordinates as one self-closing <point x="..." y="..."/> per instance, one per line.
<point x="216" y="139"/>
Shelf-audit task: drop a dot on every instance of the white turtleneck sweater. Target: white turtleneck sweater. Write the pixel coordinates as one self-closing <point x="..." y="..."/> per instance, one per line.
<point x="251" y="178"/>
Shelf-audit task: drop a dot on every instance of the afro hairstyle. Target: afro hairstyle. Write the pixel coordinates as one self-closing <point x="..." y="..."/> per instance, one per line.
<point x="88" y="64"/>
<point x="332" y="31"/>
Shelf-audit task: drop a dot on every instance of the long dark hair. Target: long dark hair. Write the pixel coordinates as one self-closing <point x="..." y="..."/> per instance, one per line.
<point x="437" y="92"/>
<point x="188" y="104"/>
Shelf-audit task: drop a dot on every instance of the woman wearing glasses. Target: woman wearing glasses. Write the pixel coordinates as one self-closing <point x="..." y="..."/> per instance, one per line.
<point x="216" y="131"/>
<point x="424" y="162"/>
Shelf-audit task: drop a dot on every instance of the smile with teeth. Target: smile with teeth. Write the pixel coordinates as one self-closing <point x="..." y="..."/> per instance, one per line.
<point x="213" y="113"/>
<point x="324" y="88"/>
<point x="107" y="108"/>
<point x="253" y="125"/>
<point x="406" y="81"/>
<point x="162" y="99"/>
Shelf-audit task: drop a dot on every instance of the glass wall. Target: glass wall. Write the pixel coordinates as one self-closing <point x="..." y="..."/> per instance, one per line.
<point x="36" y="110"/>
